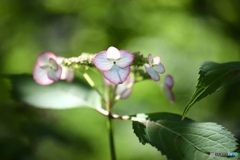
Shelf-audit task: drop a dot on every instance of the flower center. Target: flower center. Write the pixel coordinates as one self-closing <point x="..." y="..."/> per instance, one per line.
<point x="52" y="65"/>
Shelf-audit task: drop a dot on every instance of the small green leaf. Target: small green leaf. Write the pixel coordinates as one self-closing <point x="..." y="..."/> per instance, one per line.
<point x="183" y="139"/>
<point x="59" y="95"/>
<point x="214" y="77"/>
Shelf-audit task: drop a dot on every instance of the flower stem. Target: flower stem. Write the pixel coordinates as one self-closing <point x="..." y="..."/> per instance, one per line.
<point x="109" y="106"/>
<point x="111" y="138"/>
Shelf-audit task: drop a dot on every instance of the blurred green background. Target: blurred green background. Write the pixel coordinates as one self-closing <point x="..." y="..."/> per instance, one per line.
<point x="184" y="33"/>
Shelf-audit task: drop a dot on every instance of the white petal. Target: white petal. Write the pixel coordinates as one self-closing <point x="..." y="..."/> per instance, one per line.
<point x="43" y="58"/>
<point x="156" y="60"/>
<point x="59" y="60"/>
<point x="150" y="59"/>
<point x="101" y="61"/>
<point x="113" y="53"/>
<point x="126" y="59"/>
<point x="67" y="74"/>
<point x="40" y="75"/>
<point x="168" y="81"/>
<point x="70" y="75"/>
<point x="117" y="75"/>
<point x="153" y="74"/>
<point x="159" y="68"/>
<point x="55" y="73"/>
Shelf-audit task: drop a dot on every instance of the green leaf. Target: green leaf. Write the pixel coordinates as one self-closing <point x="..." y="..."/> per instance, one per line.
<point x="214" y="77"/>
<point x="59" y="95"/>
<point x="183" y="139"/>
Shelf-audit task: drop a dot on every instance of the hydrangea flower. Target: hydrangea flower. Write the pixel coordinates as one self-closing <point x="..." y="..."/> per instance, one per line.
<point x="154" y="67"/>
<point x="114" y="64"/>
<point x="47" y="70"/>
<point x="167" y="86"/>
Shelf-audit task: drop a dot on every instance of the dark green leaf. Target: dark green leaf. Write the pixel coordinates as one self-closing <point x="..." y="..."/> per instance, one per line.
<point x="60" y="95"/>
<point x="214" y="77"/>
<point x="183" y="139"/>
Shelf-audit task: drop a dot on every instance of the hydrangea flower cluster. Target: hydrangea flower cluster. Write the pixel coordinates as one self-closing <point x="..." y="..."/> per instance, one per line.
<point x="115" y="66"/>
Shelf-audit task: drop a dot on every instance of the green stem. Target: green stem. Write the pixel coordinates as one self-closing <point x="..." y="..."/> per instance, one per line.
<point x="109" y="106"/>
<point x="111" y="138"/>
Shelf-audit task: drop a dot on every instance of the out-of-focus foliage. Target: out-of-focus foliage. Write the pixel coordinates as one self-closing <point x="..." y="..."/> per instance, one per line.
<point x="184" y="33"/>
<point x="60" y="95"/>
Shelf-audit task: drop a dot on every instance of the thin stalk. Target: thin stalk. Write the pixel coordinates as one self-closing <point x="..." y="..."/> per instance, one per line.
<point x="109" y="106"/>
<point x="111" y="138"/>
<point x="92" y="84"/>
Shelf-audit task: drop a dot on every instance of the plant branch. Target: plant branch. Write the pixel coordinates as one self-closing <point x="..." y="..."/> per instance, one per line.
<point x="92" y="84"/>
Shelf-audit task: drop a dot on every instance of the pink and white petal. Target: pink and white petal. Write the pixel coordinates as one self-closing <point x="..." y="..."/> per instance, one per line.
<point x="65" y="73"/>
<point x="40" y="75"/>
<point x="126" y="93"/>
<point x="113" y="53"/>
<point x="43" y="59"/>
<point x="117" y="75"/>
<point x="55" y="74"/>
<point x="159" y="68"/>
<point x="156" y="60"/>
<point x="106" y="82"/>
<point x="101" y="61"/>
<point x="59" y="60"/>
<point x="126" y="59"/>
<point x="125" y="89"/>
<point x="150" y="59"/>
<point x="168" y="81"/>
<point x="153" y="74"/>
<point x="70" y="75"/>
<point x="169" y="93"/>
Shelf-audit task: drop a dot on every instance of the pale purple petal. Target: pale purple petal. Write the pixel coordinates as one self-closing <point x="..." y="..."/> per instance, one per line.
<point x="169" y="94"/>
<point x="125" y="89"/>
<point x="150" y="59"/>
<point x="54" y="71"/>
<point x="156" y="60"/>
<point x="153" y="74"/>
<point x="117" y="75"/>
<point x="168" y="84"/>
<point x="101" y="61"/>
<point x="55" y="74"/>
<point x="168" y="81"/>
<point x="43" y="59"/>
<point x="126" y="93"/>
<point x="126" y="59"/>
<point x="159" y="68"/>
<point x="40" y="75"/>
<point x="113" y="53"/>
